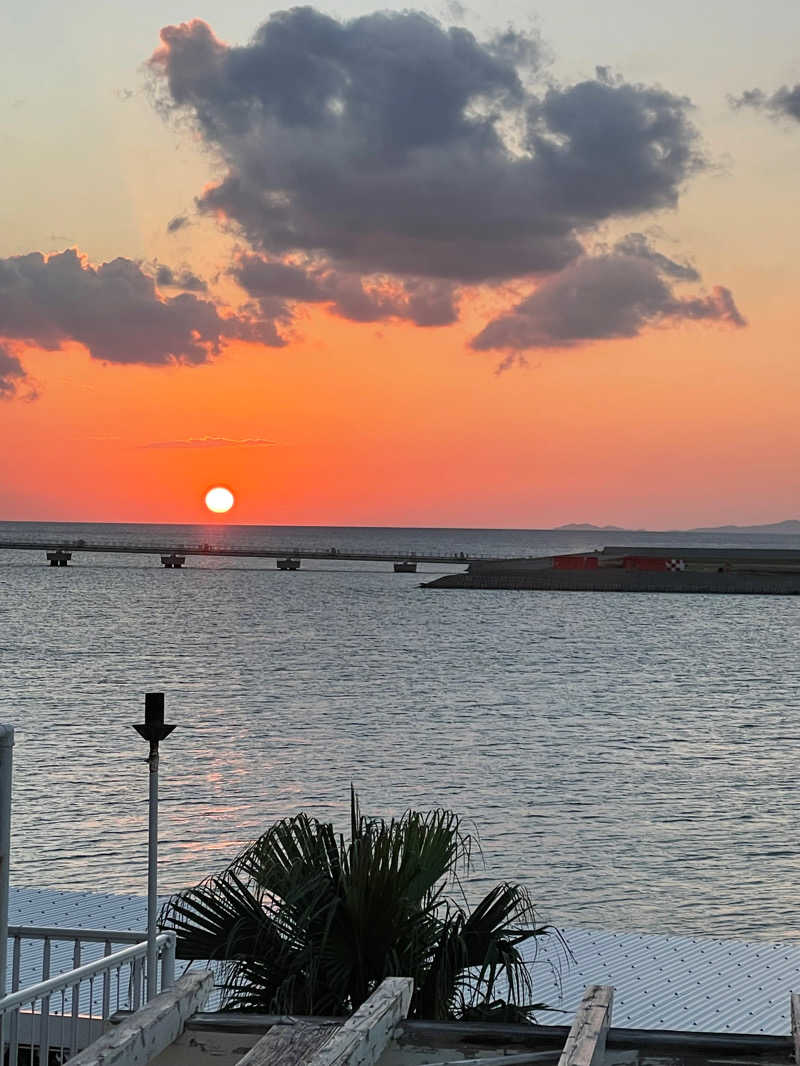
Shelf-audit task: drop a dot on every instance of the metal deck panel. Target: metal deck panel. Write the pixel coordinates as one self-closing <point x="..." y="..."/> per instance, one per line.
<point x="688" y="984"/>
<point x="95" y="910"/>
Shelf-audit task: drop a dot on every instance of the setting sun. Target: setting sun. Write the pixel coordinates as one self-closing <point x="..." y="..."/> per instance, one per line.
<point x="219" y="499"/>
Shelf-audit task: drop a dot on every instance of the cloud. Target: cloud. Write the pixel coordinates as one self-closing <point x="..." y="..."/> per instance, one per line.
<point x="212" y="442"/>
<point x="378" y="167"/>
<point x="425" y="302"/>
<point x="115" y="311"/>
<point x="265" y="279"/>
<point x="176" y="223"/>
<point x="637" y="244"/>
<point x="167" y="278"/>
<point x="600" y="297"/>
<point x="11" y="373"/>
<point x="391" y="145"/>
<point x="783" y="103"/>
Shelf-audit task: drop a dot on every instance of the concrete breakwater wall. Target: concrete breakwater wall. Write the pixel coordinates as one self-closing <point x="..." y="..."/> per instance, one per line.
<point x="617" y="580"/>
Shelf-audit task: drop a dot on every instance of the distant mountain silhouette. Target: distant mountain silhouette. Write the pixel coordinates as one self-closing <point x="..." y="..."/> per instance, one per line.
<point x="586" y="527"/>
<point x="788" y="527"/>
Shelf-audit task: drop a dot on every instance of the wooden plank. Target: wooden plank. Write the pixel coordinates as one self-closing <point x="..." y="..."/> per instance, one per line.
<point x="586" y="1042"/>
<point x="147" y="1032"/>
<point x="288" y="1044"/>
<point x="365" y="1034"/>
<point x="358" y="1041"/>
<point x="530" y="1058"/>
<point x="795" y="1015"/>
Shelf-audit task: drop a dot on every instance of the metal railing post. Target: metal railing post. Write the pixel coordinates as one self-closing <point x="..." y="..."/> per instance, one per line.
<point x="168" y="962"/>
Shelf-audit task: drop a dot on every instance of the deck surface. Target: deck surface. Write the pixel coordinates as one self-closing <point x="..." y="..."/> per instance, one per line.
<point x="687" y="984"/>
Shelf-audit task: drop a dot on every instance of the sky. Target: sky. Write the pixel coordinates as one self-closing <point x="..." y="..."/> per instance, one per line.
<point x="502" y="265"/>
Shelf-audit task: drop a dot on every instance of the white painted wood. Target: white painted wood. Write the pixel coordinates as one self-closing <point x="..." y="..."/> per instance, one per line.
<point x="288" y="1044"/>
<point x="586" y="1041"/>
<point x="795" y="1015"/>
<point x="148" y="1031"/>
<point x="86" y="936"/>
<point x="365" y="1034"/>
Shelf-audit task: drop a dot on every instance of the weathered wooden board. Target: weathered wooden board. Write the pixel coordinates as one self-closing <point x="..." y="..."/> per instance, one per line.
<point x="291" y="1044"/>
<point x="531" y="1058"/>
<point x="146" y="1033"/>
<point x="586" y="1041"/>
<point x="795" y="1013"/>
<point x="366" y="1033"/>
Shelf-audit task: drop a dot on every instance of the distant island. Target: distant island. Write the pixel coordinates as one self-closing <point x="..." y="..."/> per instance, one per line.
<point x="789" y="527"/>
<point x="587" y="527"/>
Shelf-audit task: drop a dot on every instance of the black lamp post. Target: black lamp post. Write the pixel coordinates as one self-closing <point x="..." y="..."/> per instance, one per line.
<point x="154" y="730"/>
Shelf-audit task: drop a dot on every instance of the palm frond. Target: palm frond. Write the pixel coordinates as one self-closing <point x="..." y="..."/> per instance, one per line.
<point x="308" y="922"/>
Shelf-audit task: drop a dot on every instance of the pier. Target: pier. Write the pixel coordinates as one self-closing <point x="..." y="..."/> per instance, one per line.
<point x="287" y="558"/>
<point x="59" y="557"/>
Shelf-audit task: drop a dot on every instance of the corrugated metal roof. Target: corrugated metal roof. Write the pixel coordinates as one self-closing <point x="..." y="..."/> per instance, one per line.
<point x="688" y="984"/>
<point x="76" y="910"/>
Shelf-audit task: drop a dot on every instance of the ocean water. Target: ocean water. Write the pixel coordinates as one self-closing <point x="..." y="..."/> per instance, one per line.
<point x="632" y="759"/>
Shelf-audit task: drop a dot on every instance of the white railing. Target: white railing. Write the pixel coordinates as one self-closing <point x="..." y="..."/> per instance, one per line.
<point x="37" y="953"/>
<point x="48" y="1022"/>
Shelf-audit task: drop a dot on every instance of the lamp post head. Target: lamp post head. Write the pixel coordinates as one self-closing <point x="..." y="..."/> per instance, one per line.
<point x="154" y="729"/>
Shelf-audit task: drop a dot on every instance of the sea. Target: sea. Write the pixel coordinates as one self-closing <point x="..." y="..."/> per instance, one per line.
<point x="632" y="760"/>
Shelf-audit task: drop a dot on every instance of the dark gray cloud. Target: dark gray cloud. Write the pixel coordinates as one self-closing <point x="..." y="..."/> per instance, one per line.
<point x="176" y="223"/>
<point x="115" y="311"/>
<point x="611" y="295"/>
<point x="389" y="144"/>
<point x="425" y="302"/>
<point x="430" y="302"/>
<point x="263" y="278"/>
<point x="783" y="103"/>
<point x="637" y="244"/>
<point x="11" y="373"/>
<point x="167" y="278"/>
<point x="607" y="148"/>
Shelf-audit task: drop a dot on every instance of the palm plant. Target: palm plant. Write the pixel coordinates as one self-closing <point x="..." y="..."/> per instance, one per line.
<point x="307" y="922"/>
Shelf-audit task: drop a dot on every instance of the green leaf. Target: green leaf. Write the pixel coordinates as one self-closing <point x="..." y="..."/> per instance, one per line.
<point x="309" y="923"/>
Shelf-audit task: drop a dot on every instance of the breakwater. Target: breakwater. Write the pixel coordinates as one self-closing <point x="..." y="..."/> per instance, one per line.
<point x="640" y="569"/>
<point x="622" y="581"/>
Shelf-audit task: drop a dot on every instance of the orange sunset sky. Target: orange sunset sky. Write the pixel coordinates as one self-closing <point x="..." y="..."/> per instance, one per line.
<point x="484" y="266"/>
